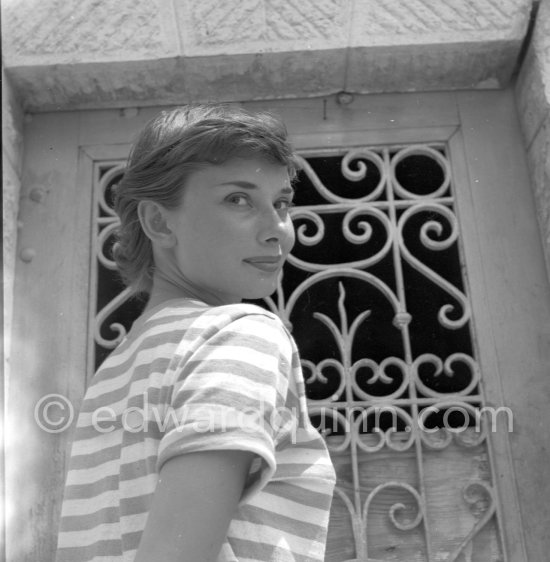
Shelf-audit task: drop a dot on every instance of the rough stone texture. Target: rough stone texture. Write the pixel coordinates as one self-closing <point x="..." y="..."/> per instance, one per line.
<point x="11" y="185"/>
<point x="176" y="81"/>
<point x="249" y="26"/>
<point x="264" y="76"/>
<point x="12" y="124"/>
<point x="37" y="31"/>
<point x="539" y="164"/>
<point x="154" y="51"/>
<point x="450" y="67"/>
<point x="95" y="84"/>
<point x="477" y="44"/>
<point x="12" y="156"/>
<point x="386" y="22"/>
<point x="533" y="99"/>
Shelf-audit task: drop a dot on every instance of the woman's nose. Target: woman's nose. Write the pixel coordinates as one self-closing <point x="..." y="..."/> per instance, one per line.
<point x="274" y="227"/>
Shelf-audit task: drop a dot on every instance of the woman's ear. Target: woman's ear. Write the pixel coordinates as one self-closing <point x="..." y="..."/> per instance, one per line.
<point x="152" y="217"/>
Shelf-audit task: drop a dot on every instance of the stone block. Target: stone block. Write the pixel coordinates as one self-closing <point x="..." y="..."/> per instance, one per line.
<point x="96" y="84"/>
<point x="12" y="160"/>
<point x="533" y="85"/>
<point x="533" y="102"/>
<point x="423" y="67"/>
<point x="82" y="31"/>
<point x="211" y="27"/>
<point x="541" y="42"/>
<point x="414" y="22"/>
<point x="531" y="99"/>
<point x="413" y="45"/>
<point x="538" y="157"/>
<point x="264" y="76"/>
<point x="11" y="187"/>
<point x="12" y="124"/>
<point x="182" y="80"/>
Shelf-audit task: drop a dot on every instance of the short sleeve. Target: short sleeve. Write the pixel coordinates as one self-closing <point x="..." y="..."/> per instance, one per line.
<point x="230" y="394"/>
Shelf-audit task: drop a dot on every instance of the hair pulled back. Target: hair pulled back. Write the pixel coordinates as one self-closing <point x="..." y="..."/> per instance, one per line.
<point x="173" y="145"/>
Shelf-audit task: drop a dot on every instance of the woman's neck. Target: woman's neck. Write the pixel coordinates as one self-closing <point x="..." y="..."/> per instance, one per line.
<point x="165" y="289"/>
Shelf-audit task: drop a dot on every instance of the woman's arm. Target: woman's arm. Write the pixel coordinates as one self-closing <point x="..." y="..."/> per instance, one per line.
<point x="195" y="499"/>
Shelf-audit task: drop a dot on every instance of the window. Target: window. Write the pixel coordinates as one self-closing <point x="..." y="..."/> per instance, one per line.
<point x="376" y="295"/>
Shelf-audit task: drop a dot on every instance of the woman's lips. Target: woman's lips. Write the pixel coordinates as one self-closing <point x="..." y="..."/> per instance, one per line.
<point x="269" y="264"/>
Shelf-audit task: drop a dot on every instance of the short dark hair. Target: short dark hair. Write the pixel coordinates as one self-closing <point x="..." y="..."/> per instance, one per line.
<point x="173" y="145"/>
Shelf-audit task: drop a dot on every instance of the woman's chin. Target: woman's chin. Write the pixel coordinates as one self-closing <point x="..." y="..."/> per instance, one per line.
<point x="256" y="295"/>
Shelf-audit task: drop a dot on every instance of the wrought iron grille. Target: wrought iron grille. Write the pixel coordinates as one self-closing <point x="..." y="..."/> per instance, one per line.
<point x="375" y="293"/>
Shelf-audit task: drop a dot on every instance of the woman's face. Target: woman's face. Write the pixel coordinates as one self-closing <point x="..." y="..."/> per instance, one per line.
<point x="233" y="230"/>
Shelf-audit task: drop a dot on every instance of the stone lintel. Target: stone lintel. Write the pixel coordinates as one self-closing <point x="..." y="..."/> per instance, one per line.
<point x="261" y="76"/>
<point x="447" y="66"/>
<point x="158" y="52"/>
<point x="252" y="76"/>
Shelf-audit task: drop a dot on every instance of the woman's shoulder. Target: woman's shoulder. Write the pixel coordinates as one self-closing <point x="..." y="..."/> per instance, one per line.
<point x="190" y="321"/>
<point x="186" y="307"/>
<point x="247" y="320"/>
<point x="238" y="310"/>
<point x="241" y="312"/>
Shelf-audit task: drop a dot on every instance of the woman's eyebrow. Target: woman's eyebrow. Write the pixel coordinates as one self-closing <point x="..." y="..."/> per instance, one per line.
<point x="287" y="190"/>
<point x="239" y="183"/>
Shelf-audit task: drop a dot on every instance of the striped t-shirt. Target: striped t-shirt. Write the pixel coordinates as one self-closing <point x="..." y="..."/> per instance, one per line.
<point x="189" y="378"/>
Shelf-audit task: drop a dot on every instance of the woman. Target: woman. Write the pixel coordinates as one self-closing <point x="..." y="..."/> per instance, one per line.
<point x="193" y="442"/>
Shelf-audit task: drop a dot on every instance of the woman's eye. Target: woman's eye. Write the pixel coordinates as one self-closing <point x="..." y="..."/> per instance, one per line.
<point x="240" y="200"/>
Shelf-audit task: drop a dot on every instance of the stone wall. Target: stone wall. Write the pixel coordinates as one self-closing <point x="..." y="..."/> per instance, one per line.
<point x="12" y="159"/>
<point x="533" y="99"/>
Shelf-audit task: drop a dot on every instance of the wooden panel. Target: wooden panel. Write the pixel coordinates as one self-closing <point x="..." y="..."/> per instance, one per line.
<point x="450" y="518"/>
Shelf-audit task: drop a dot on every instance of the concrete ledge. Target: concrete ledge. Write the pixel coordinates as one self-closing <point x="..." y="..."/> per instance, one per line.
<point x="72" y="54"/>
<point x="445" y="66"/>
